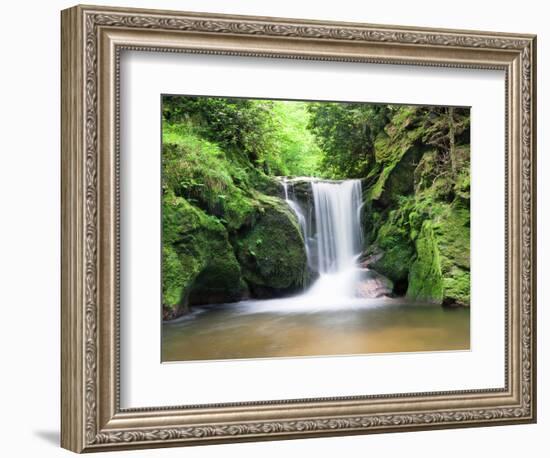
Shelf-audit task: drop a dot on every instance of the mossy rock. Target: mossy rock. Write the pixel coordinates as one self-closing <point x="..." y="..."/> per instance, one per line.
<point x="397" y="159"/>
<point x="395" y="248"/>
<point x="441" y="271"/>
<point x="266" y="184"/>
<point x="456" y="287"/>
<point x="198" y="265"/>
<point x="302" y="191"/>
<point x="453" y="236"/>
<point x="272" y="254"/>
<point x="200" y="172"/>
<point x="425" y="278"/>
<point x="400" y="180"/>
<point x="395" y="153"/>
<point x="425" y="171"/>
<point x="173" y="278"/>
<point x="416" y="222"/>
<point x="462" y="184"/>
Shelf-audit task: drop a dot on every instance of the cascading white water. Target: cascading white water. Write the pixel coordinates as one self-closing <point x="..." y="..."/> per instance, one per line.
<point x="333" y="241"/>
<point x="295" y="207"/>
<point x="338" y="237"/>
<point x="337" y="222"/>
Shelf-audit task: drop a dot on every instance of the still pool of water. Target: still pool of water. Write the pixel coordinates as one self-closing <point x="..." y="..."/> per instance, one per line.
<point x="283" y="328"/>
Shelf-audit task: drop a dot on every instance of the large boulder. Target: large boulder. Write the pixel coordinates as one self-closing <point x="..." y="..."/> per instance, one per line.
<point x="272" y="253"/>
<point x="198" y="263"/>
<point x="371" y="284"/>
<point x="423" y="247"/>
<point x="391" y="253"/>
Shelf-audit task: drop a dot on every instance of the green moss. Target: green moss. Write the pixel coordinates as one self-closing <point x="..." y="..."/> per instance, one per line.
<point x="453" y="236"/>
<point x="425" y="172"/>
<point x="418" y="204"/>
<point x="390" y="148"/>
<point x="173" y="277"/>
<point x="272" y="253"/>
<point x="198" y="260"/>
<point x="425" y="248"/>
<point x="400" y="182"/>
<point x="217" y="204"/>
<point x="456" y="287"/>
<point x="198" y="170"/>
<point x="441" y="270"/>
<point x="403" y="118"/>
<point x="394" y="243"/>
<point x="376" y="190"/>
<point x="425" y="278"/>
<point x="462" y="183"/>
<point x="395" y="151"/>
<point x="266" y="184"/>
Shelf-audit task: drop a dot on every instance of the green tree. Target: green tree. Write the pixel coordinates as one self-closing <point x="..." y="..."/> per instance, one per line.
<point x="294" y="145"/>
<point x="239" y="125"/>
<point x="346" y="133"/>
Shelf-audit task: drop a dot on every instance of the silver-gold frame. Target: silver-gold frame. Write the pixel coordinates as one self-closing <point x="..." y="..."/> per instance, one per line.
<point x="92" y="41"/>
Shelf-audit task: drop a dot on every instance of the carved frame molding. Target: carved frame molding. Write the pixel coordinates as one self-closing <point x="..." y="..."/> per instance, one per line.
<point x="92" y="39"/>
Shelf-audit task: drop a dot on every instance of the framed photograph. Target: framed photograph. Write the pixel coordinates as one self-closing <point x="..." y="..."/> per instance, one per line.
<point x="279" y="228"/>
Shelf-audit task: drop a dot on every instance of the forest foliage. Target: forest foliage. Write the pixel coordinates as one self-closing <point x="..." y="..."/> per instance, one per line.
<point x="220" y="159"/>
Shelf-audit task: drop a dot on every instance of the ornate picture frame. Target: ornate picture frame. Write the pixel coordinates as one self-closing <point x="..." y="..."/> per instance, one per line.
<point x="92" y="41"/>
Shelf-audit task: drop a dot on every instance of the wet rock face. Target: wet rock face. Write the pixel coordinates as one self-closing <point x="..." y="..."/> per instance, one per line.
<point x="371" y="284"/>
<point x="302" y="190"/>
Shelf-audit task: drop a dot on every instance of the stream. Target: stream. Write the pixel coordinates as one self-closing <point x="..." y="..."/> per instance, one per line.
<point x="261" y="329"/>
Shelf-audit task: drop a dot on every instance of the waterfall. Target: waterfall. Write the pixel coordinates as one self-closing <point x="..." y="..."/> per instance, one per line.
<point x="337" y="222"/>
<point x="333" y="240"/>
<point x="297" y="209"/>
